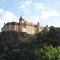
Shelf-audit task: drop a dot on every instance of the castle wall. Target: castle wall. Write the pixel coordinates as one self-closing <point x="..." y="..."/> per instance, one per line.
<point x="23" y="29"/>
<point x="11" y="28"/>
<point x="17" y="28"/>
<point x="23" y="26"/>
<point x="5" y="28"/>
<point x="30" y="29"/>
<point x="41" y="28"/>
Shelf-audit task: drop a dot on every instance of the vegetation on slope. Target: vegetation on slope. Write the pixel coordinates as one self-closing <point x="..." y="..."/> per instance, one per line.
<point x="43" y="46"/>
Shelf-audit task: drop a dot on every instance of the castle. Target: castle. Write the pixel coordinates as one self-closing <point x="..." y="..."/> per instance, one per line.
<point x="23" y="26"/>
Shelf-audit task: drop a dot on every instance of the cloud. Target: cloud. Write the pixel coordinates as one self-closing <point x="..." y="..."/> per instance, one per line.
<point x="47" y="14"/>
<point x="26" y="18"/>
<point x="27" y="2"/>
<point x="7" y="16"/>
<point x="35" y="19"/>
<point x="44" y="12"/>
<point x="1" y="10"/>
<point x="39" y="6"/>
<point x="24" y="6"/>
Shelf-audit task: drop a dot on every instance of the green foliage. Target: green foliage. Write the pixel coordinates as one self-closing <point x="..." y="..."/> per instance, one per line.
<point x="48" y="53"/>
<point x="53" y="36"/>
<point x="43" y="46"/>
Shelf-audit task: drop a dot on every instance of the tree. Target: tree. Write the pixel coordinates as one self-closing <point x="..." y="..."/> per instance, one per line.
<point x="47" y="53"/>
<point x="53" y="36"/>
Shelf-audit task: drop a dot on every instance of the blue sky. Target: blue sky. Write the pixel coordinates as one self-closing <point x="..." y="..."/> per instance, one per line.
<point x="47" y="12"/>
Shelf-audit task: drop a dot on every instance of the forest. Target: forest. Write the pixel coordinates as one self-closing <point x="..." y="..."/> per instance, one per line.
<point x="44" y="45"/>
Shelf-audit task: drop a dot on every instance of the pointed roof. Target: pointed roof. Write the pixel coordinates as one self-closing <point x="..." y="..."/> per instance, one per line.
<point x="20" y="17"/>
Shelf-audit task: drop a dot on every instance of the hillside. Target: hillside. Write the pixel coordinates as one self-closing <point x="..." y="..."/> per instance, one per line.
<point x="15" y="37"/>
<point x="21" y="46"/>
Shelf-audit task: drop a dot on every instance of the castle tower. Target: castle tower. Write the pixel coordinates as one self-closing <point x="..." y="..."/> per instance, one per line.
<point x="22" y="24"/>
<point x="47" y="27"/>
<point x="20" y="20"/>
<point x="38" y="26"/>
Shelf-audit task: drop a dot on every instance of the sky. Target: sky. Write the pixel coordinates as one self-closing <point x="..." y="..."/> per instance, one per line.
<point x="47" y="12"/>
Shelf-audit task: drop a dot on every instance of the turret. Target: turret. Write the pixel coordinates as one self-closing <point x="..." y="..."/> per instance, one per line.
<point x="47" y="28"/>
<point x="20" y="19"/>
<point x="4" y="23"/>
<point x="38" y="26"/>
